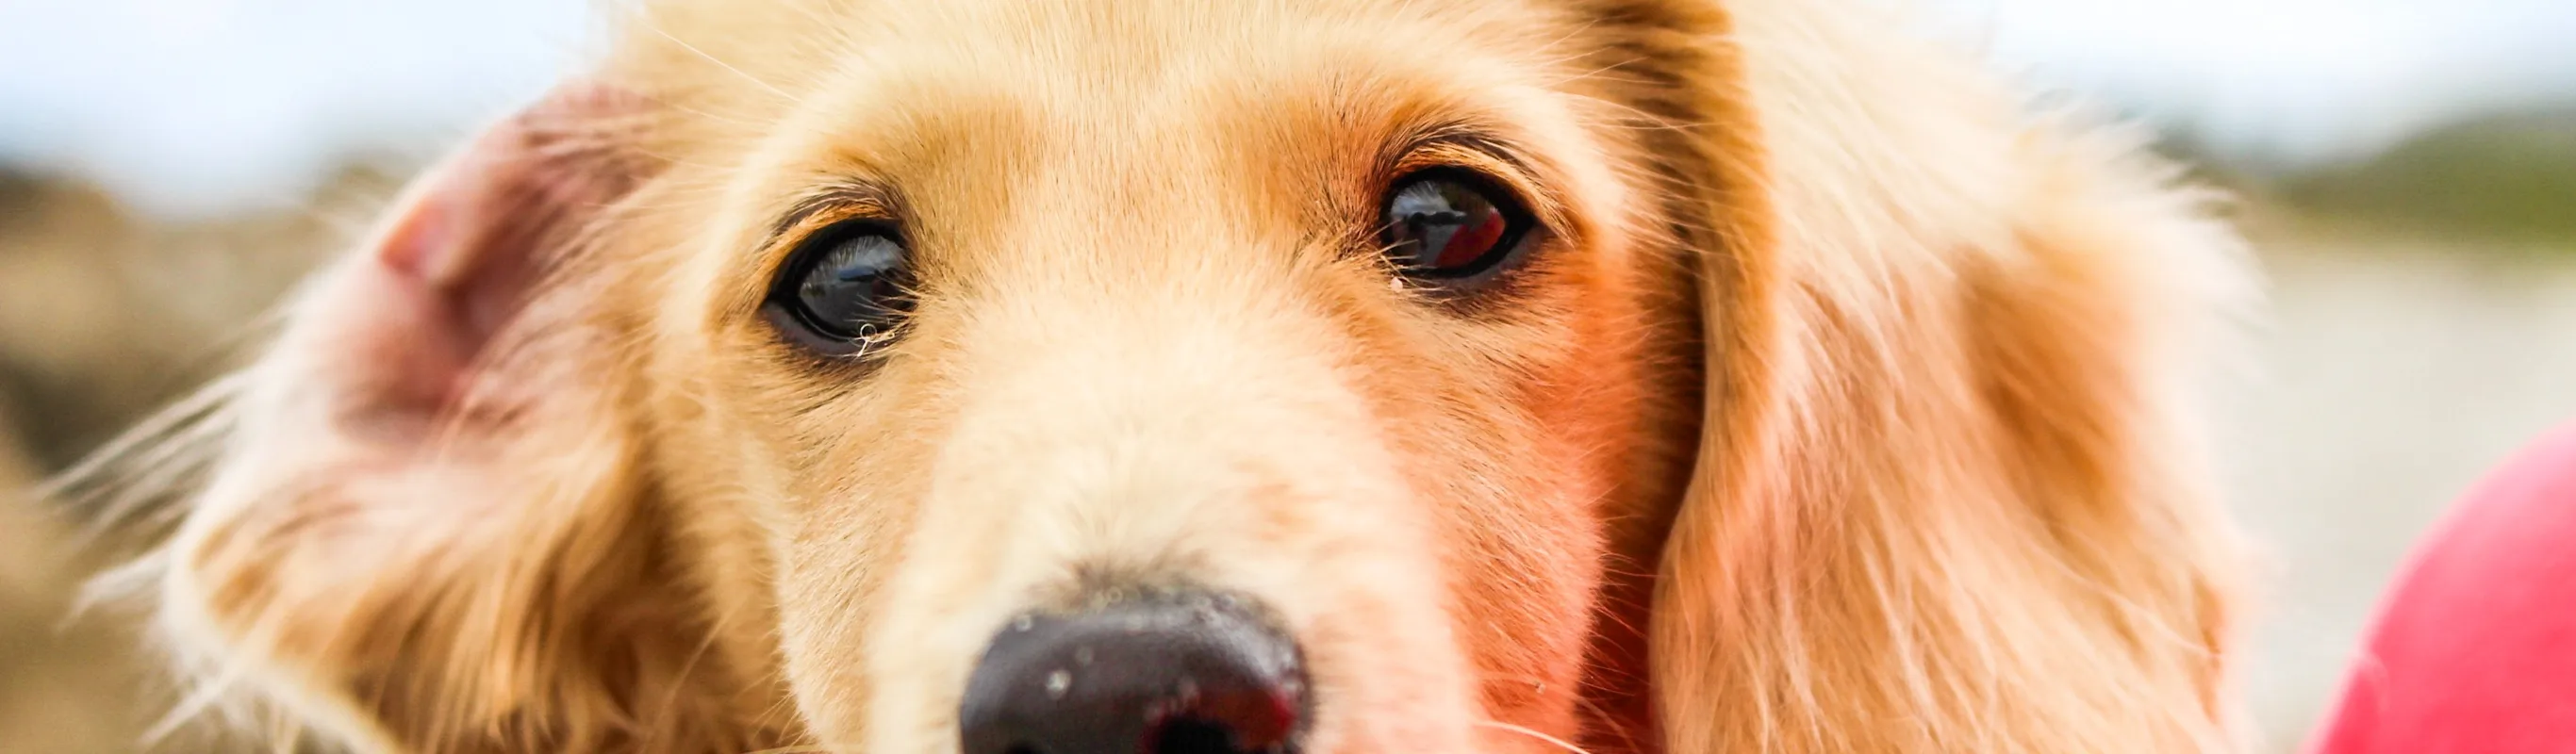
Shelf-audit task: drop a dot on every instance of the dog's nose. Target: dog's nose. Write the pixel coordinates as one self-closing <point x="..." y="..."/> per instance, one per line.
<point x="1186" y="673"/>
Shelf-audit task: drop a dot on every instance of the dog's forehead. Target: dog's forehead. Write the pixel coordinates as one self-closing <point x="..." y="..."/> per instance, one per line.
<point x="1105" y="35"/>
<point x="1153" y="77"/>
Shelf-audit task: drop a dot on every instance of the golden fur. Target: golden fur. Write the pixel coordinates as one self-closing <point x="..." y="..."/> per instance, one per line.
<point x="1843" y="410"/>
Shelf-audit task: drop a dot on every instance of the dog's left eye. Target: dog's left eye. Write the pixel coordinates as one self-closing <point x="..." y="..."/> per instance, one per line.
<point x="846" y="286"/>
<point x="1445" y="227"/>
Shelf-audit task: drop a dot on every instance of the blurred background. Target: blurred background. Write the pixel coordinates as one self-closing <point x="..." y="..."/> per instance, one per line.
<point x="167" y="168"/>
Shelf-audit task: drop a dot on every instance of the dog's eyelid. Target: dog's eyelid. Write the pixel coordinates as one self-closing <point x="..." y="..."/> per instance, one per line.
<point x="831" y="206"/>
<point x="1471" y="151"/>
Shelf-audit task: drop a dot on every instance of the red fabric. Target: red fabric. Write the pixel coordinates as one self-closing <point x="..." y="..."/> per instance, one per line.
<point x="2475" y="647"/>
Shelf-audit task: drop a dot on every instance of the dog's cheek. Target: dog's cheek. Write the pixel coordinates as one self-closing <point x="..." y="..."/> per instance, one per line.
<point x="833" y="507"/>
<point x="1555" y="441"/>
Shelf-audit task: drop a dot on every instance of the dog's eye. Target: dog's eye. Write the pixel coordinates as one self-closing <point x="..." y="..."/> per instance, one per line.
<point x="1443" y="227"/>
<point x="846" y="286"/>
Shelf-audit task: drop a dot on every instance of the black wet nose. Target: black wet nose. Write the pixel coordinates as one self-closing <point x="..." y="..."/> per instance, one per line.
<point x="1186" y="673"/>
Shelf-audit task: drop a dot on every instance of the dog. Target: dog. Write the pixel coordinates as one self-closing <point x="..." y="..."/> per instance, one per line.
<point x="1608" y="376"/>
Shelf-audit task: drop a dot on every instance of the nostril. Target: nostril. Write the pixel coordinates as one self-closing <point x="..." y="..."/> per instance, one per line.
<point x="1173" y="674"/>
<point x="1229" y="720"/>
<point x="1195" y="736"/>
<point x="1191" y="736"/>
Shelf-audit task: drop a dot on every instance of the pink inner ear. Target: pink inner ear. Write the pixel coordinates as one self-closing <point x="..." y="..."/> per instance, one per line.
<point x="414" y="244"/>
<point x="466" y="253"/>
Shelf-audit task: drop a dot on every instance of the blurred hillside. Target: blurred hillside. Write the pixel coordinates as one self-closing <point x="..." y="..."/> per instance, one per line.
<point x="104" y="313"/>
<point x="2509" y="177"/>
<point x="2512" y="176"/>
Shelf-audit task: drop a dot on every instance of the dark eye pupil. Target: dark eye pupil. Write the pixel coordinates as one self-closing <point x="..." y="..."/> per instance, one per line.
<point x="1439" y="228"/>
<point x="854" y="288"/>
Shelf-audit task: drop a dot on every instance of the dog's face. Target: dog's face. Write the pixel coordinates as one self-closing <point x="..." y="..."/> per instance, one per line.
<point x="1171" y="302"/>
<point x="1087" y="377"/>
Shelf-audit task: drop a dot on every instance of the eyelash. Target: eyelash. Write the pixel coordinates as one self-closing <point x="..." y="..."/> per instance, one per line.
<point x="844" y="289"/>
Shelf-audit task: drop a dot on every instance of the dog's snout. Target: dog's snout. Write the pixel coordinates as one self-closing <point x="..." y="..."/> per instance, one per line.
<point x="1186" y="673"/>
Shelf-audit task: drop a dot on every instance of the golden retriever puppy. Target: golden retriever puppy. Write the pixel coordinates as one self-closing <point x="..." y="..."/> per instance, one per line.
<point x="1332" y="376"/>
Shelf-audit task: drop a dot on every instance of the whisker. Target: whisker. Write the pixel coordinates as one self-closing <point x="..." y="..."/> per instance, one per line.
<point x="782" y="93"/>
<point x="1551" y="740"/>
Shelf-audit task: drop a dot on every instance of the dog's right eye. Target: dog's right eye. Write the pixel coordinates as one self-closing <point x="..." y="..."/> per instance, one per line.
<point x="845" y="288"/>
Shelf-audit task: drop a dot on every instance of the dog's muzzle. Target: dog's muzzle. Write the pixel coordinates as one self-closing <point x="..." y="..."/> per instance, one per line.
<point x="1171" y="673"/>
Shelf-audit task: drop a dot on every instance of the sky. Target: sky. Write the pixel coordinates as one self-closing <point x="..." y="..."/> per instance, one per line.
<point x="2306" y="80"/>
<point x="226" y="105"/>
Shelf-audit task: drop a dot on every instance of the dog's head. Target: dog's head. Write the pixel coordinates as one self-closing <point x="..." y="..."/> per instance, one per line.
<point x="1335" y="376"/>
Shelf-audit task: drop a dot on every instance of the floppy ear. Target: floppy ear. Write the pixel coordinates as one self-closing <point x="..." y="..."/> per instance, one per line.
<point x="427" y="527"/>
<point x="1946" y="495"/>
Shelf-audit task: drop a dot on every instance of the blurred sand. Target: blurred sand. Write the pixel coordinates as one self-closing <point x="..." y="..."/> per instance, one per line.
<point x="2395" y="374"/>
<point x="62" y="686"/>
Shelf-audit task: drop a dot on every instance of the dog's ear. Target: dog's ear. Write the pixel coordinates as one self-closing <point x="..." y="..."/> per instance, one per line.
<point x="1946" y="495"/>
<point x="427" y="525"/>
